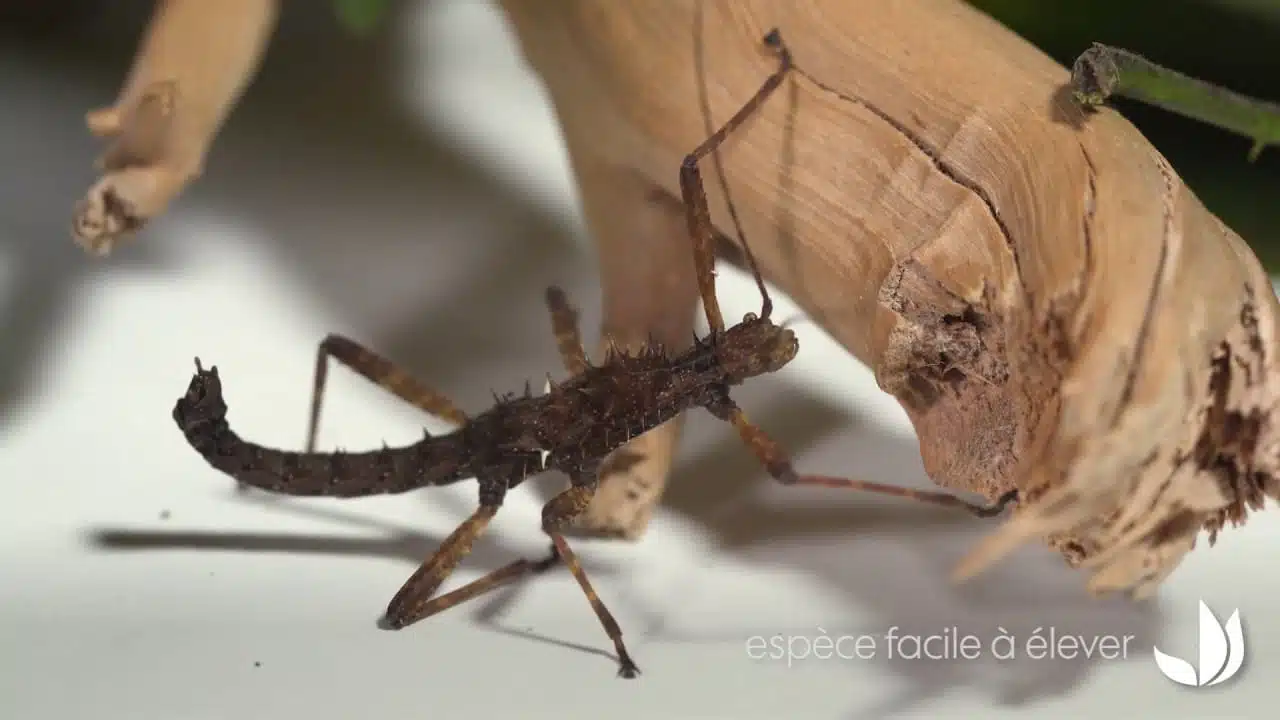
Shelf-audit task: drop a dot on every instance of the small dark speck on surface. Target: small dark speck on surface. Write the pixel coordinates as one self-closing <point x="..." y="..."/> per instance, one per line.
<point x="165" y="514"/>
<point x="257" y="663"/>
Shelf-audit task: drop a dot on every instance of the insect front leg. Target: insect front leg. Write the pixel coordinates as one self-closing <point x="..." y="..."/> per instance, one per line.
<point x="413" y="602"/>
<point x="777" y="462"/>
<point x="694" y="194"/>
<point x="557" y="515"/>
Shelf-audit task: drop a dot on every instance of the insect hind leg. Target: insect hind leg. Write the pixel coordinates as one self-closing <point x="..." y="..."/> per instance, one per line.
<point x="557" y="515"/>
<point x="498" y="578"/>
<point x="414" y="602"/>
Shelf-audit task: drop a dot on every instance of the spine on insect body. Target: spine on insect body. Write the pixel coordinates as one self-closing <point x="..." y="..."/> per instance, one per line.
<point x="201" y="415"/>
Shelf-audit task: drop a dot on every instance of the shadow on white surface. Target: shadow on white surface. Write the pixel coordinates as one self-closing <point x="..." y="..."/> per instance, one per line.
<point x="381" y="215"/>
<point x="884" y="564"/>
<point x="891" y="560"/>
<point x="329" y="207"/>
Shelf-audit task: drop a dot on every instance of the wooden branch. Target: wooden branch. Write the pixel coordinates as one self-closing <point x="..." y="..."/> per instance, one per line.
<point x="1051" y="305"/>
<point x="195" y="61"/>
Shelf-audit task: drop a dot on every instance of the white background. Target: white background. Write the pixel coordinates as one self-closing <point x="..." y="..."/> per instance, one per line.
<point x="383" y="190"/>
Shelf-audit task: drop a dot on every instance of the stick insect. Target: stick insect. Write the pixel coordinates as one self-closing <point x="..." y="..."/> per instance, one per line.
<point x="571" y="428"/>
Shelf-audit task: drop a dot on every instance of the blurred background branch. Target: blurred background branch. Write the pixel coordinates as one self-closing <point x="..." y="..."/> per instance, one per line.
<point x="361" y="16"/>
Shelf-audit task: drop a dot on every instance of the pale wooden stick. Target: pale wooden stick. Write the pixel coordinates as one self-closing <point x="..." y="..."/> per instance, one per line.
<point x="196" y="59"/>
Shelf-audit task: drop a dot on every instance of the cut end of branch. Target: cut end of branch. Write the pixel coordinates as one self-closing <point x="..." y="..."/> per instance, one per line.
<point x="140" y="169"/>
<point x="1094" y="76"/>
<point x="104" y="216"/>
<point x="194" y="61"/>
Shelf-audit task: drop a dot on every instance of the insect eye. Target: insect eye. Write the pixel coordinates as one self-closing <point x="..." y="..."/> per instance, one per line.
<point x="749" y="317"/>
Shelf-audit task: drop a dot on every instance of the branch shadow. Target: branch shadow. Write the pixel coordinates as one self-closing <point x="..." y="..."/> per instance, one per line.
<point x="893" y="560"/>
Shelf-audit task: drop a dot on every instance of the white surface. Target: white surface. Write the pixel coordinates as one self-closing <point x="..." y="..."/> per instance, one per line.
<point x="358" y="222"/>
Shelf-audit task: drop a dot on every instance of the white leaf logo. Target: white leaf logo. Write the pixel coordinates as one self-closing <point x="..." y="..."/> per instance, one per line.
<point x="1221" y="653"/>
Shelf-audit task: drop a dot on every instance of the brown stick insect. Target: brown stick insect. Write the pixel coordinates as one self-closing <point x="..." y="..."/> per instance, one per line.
<point x="572" y="428"/>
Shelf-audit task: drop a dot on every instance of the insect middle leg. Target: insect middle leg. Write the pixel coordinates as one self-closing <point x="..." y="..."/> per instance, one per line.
<point x="414" y="601"/>
<point x="557" y="515"/>
<point x="775" y="460"/>
<point x="564" y="323"/>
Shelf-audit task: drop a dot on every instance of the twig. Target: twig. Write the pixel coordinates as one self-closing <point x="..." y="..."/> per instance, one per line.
<point x="194" y="62"/>
<point x="1103" y="71"/>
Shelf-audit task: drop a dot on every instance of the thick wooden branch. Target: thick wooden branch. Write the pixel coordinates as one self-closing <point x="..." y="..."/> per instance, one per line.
<point x="1054" y="309"/>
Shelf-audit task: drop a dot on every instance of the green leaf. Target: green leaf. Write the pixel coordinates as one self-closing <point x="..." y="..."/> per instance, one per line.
<point x="361" y="16"/>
